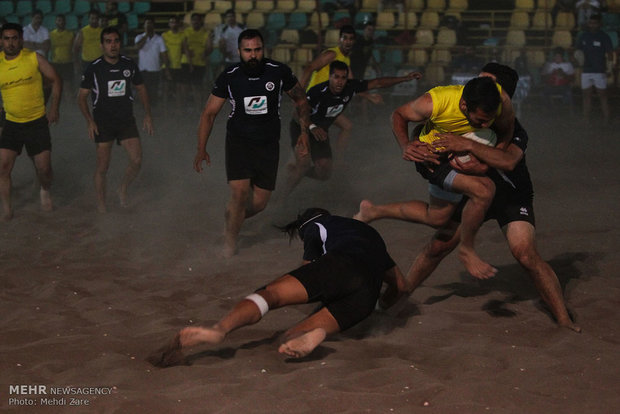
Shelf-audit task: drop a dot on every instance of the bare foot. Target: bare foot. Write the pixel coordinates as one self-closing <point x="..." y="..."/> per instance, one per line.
<point x="477" y="267"/>
<point x="391" y="295"/>
<point x="46" y="200"/>
<point x="169" y="355"/>
<point x="101" y="208"/>
<point x="570" y="325"/>
<point x="302" y="345"/>
<point x="366" y="212"/>
<point x="228" y="251"/>
<point x="197" y="334"/>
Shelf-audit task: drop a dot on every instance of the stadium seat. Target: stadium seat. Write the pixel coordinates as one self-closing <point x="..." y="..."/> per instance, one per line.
<point x="290" y="36"/>
<point x="611" y="21"/>
<point x="23" y="8"/>
<point x="44" y="5"/>
<point x="244" y="6"/>
<point x="49" y="21"/>
<point x="306" y="6"/>
<point x="434" y="74"/>
<point x="11" y="18"/>
<point x="255" y="20"/>
<point x="81" y="7"/>
<point x="202" y="6"/>
<point x="520" y="20"/>
<point x="314" y="20"/>
<point x="285" y="6"/>
<point x="527" y="5"/>
<point x="303" y="55"/>
<point x="297" y="21"/>
<point x="221" y="6"/>
<point x="264" y="6"/>
<point x="332" y="37"/>
<point x="515" y="37"/>
<point x="510" y="54"/>
<point x="459" y="5"/>
<point x="409" y="22"/>
<point x="123" y="6"/>
<point x="132" y="21"/>
<point x="562" y="38"/>
<point x="62" y="7"/>
<point x="613" y="35"/>
<point x="141" y="7"/>
<point x="341" y="16"/>
<point x="385" y="20"/>
<point x="542" y="20"/>
<point x="393" y="59"/>
<point x="6" y="8"/>
<point x="424" y="37"/>
<point x="281" y="54"/>
<point x="446" y="37"/>
<point x="565" y="20"/>
<point x="72" y="22"/>
<point x="369" y="6"/>
<point x="535" y="57"/>
<point x="275" y="21"/>
<point x="212" y="19"/>
<point x="418" y="57"/>
<point x="415" y="5"/>
<point x="436" y="5"/>
<point x="441" y="55"/>
<point x="429" y="20"/>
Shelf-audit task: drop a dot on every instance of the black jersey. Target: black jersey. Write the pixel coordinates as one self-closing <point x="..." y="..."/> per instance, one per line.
<point x="519" y="178"/>
<point x="110" y="86"/>
<point x="255" y="101"/>
<point x="347" y="237"/>
<point x="326" y="106"/>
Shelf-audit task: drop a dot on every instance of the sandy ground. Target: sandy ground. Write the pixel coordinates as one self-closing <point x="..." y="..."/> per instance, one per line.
<point x="86" y="297"/>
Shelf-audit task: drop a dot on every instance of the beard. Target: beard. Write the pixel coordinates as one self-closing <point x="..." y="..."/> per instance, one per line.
<point x="253" y="67"/>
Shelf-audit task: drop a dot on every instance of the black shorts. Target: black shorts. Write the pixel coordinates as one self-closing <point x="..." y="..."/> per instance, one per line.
<point x="345" y="286"/>
<point x="195" y="76"/>
<point x="110" y="130"/>
<point x="35" y="135"/>
<point x="256" y="160"/>
<point x="438" y="175"/>
<point x="176" y="75"/>
<point x="318" y="149"/>
<point x="64" y="70"/>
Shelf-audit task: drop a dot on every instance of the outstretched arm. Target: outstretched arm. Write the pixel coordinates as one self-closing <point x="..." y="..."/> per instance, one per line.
<point x="386" y="82"/>
<point x="323" y="59"/>
<point x="207" y="118"/>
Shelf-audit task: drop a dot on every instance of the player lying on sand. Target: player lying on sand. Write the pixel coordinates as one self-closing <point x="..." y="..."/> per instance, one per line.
<point x="345" y="264"/>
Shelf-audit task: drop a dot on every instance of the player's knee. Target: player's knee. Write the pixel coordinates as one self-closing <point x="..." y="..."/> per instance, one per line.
<point x="484" y="190"/>
<point x="526" y="255"/>
<point x="260" y="302"/>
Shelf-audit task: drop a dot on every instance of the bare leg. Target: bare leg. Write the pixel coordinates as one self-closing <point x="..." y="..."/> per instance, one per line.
<point x="104" y="150"/>
<point x="304" y="337"/>
<point x="345" y="126"/>
<point x="134" y="153"/>
<point x="235" y="214"/>
<point x="322" y="169"/>
<point x="521" y="237"/>
<point x="480" y="191"/>
<point x="435" y="214"/>
<point x="587" y="102"/>
<point x="258" y="202"/>
<point x="602" y="94"/>
<point x="296" y="170"/>
<point x="43" y="165"/>
<point x="396" y="287"/>
<point x="7" y="161"/>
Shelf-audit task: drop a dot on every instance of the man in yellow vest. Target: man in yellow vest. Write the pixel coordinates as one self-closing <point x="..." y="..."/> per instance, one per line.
<point x="174" y="40"/>
<point x="61" y="55"/>
<point x="21" y="84"/>
<point x="198" y="46"/>
<point x="317" y="72"/>
<point x="87" y="45"/>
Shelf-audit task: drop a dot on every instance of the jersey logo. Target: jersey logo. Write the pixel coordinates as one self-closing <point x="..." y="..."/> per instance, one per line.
<point x="255" y="105"/>
<point x="116" y="88"/>
<point x="126" y="73"/>
<point x="334" y="111"/>
<point x="269" y="86"/>
<point x="523" y="211"/>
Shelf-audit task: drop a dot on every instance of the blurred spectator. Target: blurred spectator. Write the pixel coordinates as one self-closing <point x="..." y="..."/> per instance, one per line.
<point x="116" y="18"/>
<point x="562" y="6"/>
<point x="36" y="36"/>
<point x="61" y="53"/>
<point x="174" y="39"/>
<point x="399" y="5"/>
<point x="558" y="75"/>
<point x="362" y="52"/>
<point x="587" y="8"/>
<point x="152" y="53"/>
<point x="225" y="37"/>
<point x="87" y="46"/>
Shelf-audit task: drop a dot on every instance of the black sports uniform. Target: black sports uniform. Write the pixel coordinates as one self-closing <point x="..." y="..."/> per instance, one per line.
<point x="349" y="259"/>
<point x="112" y="100"/>
<point x="253" y="128"/>
<point x="325" y="109"/>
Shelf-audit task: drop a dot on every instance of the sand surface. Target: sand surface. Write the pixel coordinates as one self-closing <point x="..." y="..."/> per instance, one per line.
<point x="86" y="297"/>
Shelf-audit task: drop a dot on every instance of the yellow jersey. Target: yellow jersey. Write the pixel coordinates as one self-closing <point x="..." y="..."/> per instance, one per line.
<point x="21" y="85"/>
<point x="322" y="74"/>
<point x="91" y="43"/>
<point x="197" y="43"/>
<point x="174" y="44"/>
<point x="447" y="115"/>
<point x="62" y="44"/>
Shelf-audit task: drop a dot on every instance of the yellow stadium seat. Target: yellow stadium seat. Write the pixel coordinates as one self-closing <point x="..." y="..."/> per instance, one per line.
<point x="437" y="5"/>
<point x="306" y="6"/>
<point x="222" y="5"/>
<point x="255" y="20"/>
<point x="303" y="55"/>
<point x="542" y="20"/>
<point x="417" y="57"/>
<point x="565" y="20"/>
<point x="459" y="5"/>
<point x="314" y="20"/>
<point x="535" y="57"/>
<point x="434" y="74"/>
<point x="441" y="55"/>
<point x="562" y="38"/>
<point x="415" y="5"/>
<point x="385" y="20"/>
<point x="332" y="37"/>
<point x="446" y="37"/>
<point x="519" y="20"/>
<point x="212" y="19"/>
<point x="285" y="6"/>
<point x="290" y="36"/>
<point x="515" y="37"/>
<point x="281" y="54"/>
<point x="424" y="37"/>
<point x="202" y="6"/>
<point x="510" y="54"/>
<point x="243" y="6"/>
<point x="527" y="5"/>
<point x="429" y="19"/>
<point x="264" y="6"/>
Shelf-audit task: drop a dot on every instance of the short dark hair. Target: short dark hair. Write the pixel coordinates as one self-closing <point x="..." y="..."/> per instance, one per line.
<point x="62" y="16"/>
<point x="37" y="12"/>
<point x="481" y="93"/>
<point x="249" y="34"/>
<point x="196" y="14"/>
<point x="348" y="29"/>
<point x="12" y="26"/>
<point x="109" y="30"/>
<point x="596" y="17"/>
<point x="338" y="65"/>
<point x="229" y="11"/>
<point x="95" y="12"/>
<point x="294" y="228"/>
<point x="149" y="18"/>
<point x="506" y="76"/>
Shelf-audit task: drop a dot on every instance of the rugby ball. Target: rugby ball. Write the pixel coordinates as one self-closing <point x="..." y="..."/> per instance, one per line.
<point x="484" y="136"/>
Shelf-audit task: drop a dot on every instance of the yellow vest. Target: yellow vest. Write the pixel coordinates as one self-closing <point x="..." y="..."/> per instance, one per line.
<point x="322" y="74"/>
<point x="21" y="85"/>
<point x="62" y="43"/>
<point x="174" y="44"/>
<point x="447" y="115"/>
<point x="91" y="43"/>
<point x="196" y="42"/>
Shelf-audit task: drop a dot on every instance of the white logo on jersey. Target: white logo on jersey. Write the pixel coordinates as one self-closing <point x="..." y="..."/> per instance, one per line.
<point x="126" y="73"/>
<point x="116" y="88"/>
<point x="269" y="86"/>
<point x="255" y="105"/>
<point x="523" y="211"/>
<point x="334" y="111"/>
<point x="345" y="99"/>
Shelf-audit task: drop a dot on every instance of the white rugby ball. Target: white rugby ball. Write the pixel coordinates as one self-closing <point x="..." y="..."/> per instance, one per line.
<point x="484" y="136"/>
